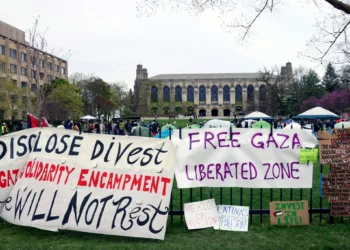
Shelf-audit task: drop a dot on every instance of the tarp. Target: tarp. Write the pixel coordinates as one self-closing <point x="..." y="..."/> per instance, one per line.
<point x="317" y="113"/>
<point x="216" y="123"/>
<point x="258" y="115"/>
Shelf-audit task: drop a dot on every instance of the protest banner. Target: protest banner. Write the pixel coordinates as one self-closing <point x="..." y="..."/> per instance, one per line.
<point x="251" y="158"/>
<point x="84" y="183"/>
<point x="289" y="213"/>
<point x="201" y="214"/>
<point x="233" y="218"/>
<point x="335" y="150"/>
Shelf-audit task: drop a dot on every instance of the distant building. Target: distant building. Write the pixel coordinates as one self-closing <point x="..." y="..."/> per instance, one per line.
<point x="15" y="56"/>
<point x="218" y="94"/>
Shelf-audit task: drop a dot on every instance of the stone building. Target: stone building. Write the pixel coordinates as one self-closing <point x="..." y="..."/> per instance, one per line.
<point x="28" y="67"/>
<point x="218" y="94"/>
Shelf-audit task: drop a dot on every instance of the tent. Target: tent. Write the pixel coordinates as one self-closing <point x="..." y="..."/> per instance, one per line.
<point x="166" y="127"/>
<point x="193" y="126"/>
<point x="216" y="123"/>
<point x="261" y="124"/>
<point x="88" y="117"/>
<point x="164" y="134"/>
<point x="317" y="113"/>
<point x="250" y="123"/>
<point x="257" y="115"/>
<point x="141" y="131"/>
<point x="293" y="125"/>
<point x="342" y="125"/>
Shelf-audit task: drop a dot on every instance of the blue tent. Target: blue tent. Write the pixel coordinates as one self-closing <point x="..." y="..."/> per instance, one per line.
<point x="164" y="134"/>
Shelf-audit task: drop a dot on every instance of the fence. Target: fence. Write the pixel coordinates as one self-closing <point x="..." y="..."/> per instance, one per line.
<point x="257" y="199"/>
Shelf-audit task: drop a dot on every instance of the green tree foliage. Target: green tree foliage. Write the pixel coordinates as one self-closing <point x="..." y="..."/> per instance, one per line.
<point x="68" y="100"/>
<point x="331" y="79"/>
<point x="13" y="99"/>
<point x="310" y="85"/>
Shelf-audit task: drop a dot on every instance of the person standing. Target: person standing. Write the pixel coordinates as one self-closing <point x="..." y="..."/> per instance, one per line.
<point x="4" y="129"/>
<point x="121" y="128"/>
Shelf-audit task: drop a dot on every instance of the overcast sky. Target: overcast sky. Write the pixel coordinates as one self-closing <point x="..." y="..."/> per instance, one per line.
<point x="108" y="39"/>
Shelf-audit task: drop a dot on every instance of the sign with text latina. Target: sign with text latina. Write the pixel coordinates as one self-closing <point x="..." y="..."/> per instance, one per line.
<point x="250" y="158"/>
<point x="57" y="179"/>
<point x="233" y="218"/>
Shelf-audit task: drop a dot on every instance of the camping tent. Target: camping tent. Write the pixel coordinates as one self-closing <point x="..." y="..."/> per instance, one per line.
<point x="293" y="125"/>
<point x="257" y="115"/>
<point x="193" y="126"/>
<point x="250" y="123"/>
<point x="88" y="117"/>
<point x="166" y="127"/>
<point x="342" y="125"/>
<point x="261" y="124"/>
<point x="216" y="123"/>
<point x="141" y="131"/>
<point x="317" y="113"/>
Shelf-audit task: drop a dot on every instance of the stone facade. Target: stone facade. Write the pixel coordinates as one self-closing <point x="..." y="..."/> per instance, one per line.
<point x="203" y="94"/>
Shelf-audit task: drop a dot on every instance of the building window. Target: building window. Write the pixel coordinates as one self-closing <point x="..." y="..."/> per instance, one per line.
<point x="33" y="74"/>
<point x="202" y="94"/>
<point x="190" y="94"/>
<point x="178" y="94"/>
<point x="250" y="93"/>
<point x="23" y="85"/>
<point x="2" y="66"/>
<point x="41" y="75"/>
<point x="166" y="94"/>
<point x="214" y="94"/>
<point x="262" y="93"/>
<point x="57" y="68"/>
<point x="42" y="64"/>
<point x="13" y="68"/>
<point x="154" y="94"/>
<point x="33" y="88"/>
<point x="23" y="56"/>
<point x="23" y="71"/>
<point x="238" y="93"/>
<point x="13" y="53"/>
<point x="49" y="78"/>
<point x="49" y="65"/>
<point x="63" y="70"/>
<point x="2" y="50"/>
<point x="226" y="94"/>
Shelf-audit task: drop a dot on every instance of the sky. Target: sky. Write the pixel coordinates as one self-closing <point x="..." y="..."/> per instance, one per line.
<point x="108" y="39"/>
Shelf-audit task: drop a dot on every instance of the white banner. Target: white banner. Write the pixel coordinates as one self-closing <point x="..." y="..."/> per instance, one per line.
<point x="249" y="158"/>
<point x="93" y="183"/>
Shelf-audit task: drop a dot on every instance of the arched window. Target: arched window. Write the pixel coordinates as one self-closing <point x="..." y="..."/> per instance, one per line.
<point x="250" y="93"/>
<point x="262" y="93"/>
<point x="190" y="94"/>
<point x="202" y="94"/>
<point x="214" y="93"/>
<point x="238" y="93"/>
<point x="154" y="94"/>
<point x="226" y="93"/>
<point x="166" y="94"/>
<point x="178" y="94"/>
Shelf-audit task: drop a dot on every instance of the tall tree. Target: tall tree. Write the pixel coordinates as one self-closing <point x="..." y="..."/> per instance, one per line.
<point x="332" y="19"/>
<point x="331" y="79"/>
<point x="312" y="86"/>
<point x="13" y="99"/>
<point x="344" y="75"/>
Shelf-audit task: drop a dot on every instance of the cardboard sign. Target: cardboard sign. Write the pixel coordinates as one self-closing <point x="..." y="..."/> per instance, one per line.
<point x="289" y="213"/>
<point x="92" y="183"/>
<point x="335" y="149"/>
<point x="233" y="218"/>
<point x="251" y="158"/>
<point x="201" y="214"/>
<point x="308" y="155"/>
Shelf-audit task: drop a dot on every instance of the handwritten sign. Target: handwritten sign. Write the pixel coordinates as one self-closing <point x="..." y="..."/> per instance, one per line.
<point x="233" y="218"/>
<point x="335" y="150"/>
<point x="252" y="158"/>
<point x="201" y="214"/>
<point x="289" y="213"/>
<point x="308" y="155"/>
<point x="92" y="183"/>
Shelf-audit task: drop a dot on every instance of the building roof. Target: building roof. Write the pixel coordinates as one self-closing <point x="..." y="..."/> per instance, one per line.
<point x="206" y="76"/>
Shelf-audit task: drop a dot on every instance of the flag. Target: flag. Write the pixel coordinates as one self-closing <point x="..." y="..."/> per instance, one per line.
<point x="32" y="121"/>
<point x="45" y="123"/>
<point x="277" y="213"/>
